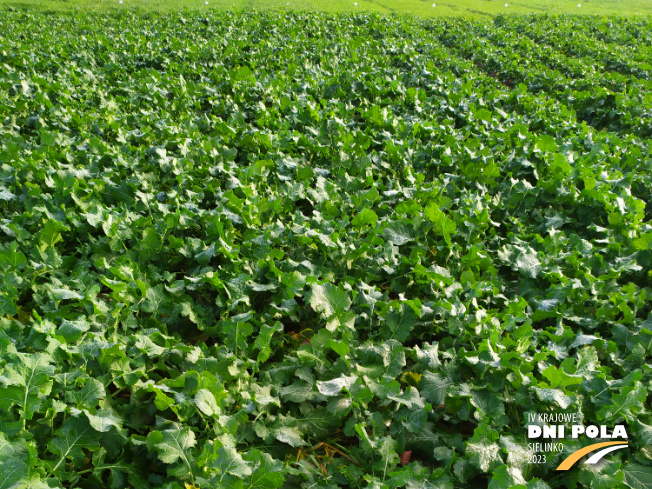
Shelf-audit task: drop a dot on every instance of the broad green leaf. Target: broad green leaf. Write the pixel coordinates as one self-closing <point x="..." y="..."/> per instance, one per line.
<point x="172" y="444"/>
<point x="72" y="331"/>
<point x="428" y="356"/>
<point x="299" y="392"/>
<point x="483" y="115"/>
<point x="366" y="217"/>
<point x="485" y="455"/>
<point x="264" y="340"/>
<point x="154" y="299"/>
<point x="340" y="347"/>
<point x="426" y="441"/>
<point x="443" y="225"/>
<point x="229" y="461"/>
<point x="432" y="387"/>
<point x="150" y="244"/>
<point x="118" y="470"/>
<point x="505" y="477"/>
<point x="604" y="475"/>
<point x="581" y="340"/>
<point x="206" y="403"/>
<point x="387" y="449"/>
<point x="71" y="440"/>
<point x="334" y="387"/>
<point x="322" y="422"/>
<point x="103" y="419"/>
<point x="161" y="400"/>
<point x="263" y="396"/>
<point x="546" y="143"/>
<point x="88" y="396"/>
<point x="64" y="294"/>
<point x="626" y="404"/>
<point x="409" y="398"/>
<point x="528" y="264"/>
<point x="6" y="194"/>
<point x="13" y="463"/>
<point x="266" y="471"/>
<point x="329" y="299"/>
<point x="518" y="454"/>
<point x="638" y="476"/>
<point x="294" y="283"/>
<point x="290" y="435"/>
<point x="94" y="216"/>
<point x="11" y="256"/>
<point x="399" y="234"/>
<point x="643" y="432"/>
<point x="489" y="407"/>
<point x="553" y="395"/>
<point x="558" y="378"/>
<point x="401" y="322"/>
<point x="334" y="304"/>
<point x="50" y="234"/>
<point x="237" y="331"/>
<point x="30" y="382"/>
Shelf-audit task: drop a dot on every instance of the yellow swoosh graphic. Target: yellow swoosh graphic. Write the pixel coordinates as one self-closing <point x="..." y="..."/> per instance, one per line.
<point x="575" y="456"/>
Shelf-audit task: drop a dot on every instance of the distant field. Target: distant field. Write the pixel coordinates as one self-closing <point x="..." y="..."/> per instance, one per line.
<point x="423" y="8"/>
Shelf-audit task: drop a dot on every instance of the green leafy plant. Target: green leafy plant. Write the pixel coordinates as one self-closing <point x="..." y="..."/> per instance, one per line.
<point x="308" y="250"/>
